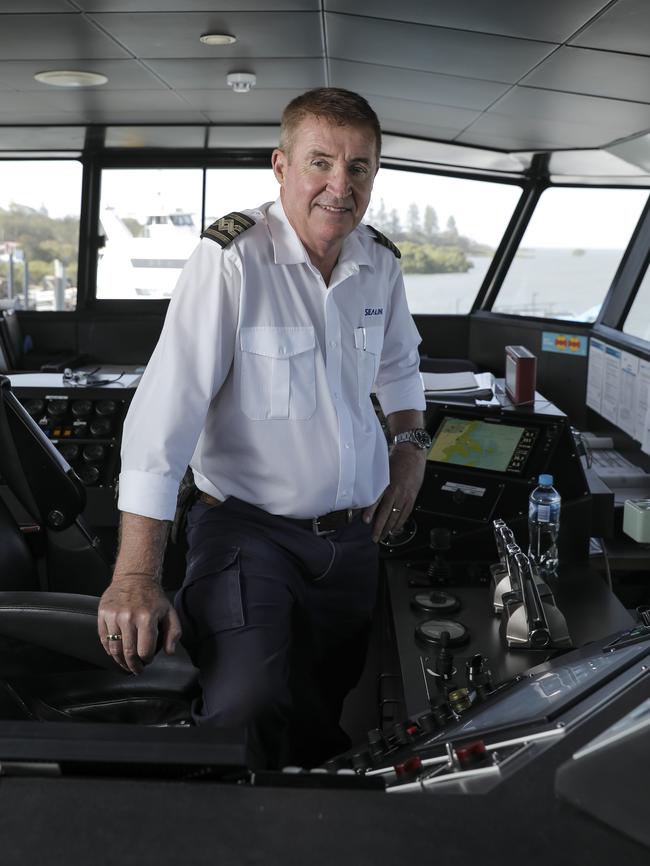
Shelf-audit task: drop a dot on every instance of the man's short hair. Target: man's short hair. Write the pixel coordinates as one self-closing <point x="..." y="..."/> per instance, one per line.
<point x="338" y="106"/>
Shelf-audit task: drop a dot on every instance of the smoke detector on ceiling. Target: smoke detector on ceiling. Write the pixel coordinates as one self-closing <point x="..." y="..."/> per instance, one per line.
<point x="241" y="82"/>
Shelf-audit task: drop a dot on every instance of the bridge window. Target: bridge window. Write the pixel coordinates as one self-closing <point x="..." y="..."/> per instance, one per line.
<point x="447" y="229"/>
<point x="637" y="322"/>
<point x="40" y="203"/>
<point x="150" y="220"/>
<point x="570" y="252"/>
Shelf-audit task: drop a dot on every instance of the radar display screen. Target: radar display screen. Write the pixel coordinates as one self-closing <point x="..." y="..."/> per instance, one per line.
<point x="482" y="445"/>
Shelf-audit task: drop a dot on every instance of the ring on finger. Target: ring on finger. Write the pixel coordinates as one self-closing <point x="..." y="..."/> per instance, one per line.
<point x="115" y="636"/>
<point x="397" y="510"/>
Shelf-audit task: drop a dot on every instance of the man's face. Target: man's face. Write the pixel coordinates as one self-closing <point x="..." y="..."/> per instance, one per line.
<point x="327" y="181"/>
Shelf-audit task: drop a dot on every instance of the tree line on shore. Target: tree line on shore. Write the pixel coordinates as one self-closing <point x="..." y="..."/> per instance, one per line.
<point x="425" y="247"/>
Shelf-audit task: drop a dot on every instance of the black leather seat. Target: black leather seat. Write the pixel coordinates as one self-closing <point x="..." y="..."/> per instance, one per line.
<point x="52" y="663"/>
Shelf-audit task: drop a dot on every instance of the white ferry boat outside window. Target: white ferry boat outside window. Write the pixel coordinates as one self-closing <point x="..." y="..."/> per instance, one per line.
<point x="570" y="252"/>
<point x="447" y="229"/>
<point x="637" y="321"/>
<point x="40" y="202"/>
<point x="150" y="220"/>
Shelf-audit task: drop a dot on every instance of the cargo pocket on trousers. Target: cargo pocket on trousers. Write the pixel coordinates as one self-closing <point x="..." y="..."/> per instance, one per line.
<point x="210" y="600"/>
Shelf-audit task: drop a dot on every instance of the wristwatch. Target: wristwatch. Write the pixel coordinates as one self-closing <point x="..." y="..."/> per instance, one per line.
<point x="418" y="437"/>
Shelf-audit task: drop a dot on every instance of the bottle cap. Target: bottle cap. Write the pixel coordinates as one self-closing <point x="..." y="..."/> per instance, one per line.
<point x="545" y="480"/>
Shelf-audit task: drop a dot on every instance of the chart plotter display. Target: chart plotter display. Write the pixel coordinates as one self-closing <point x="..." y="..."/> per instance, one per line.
<point x="482" y="445"/>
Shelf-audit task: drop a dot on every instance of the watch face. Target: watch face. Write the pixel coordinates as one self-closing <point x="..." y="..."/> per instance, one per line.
<point x="422" y="438"/>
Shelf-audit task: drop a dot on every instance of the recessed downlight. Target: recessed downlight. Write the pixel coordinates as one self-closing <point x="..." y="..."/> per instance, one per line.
<point x="70" y="78"/>
<point x="217" y="39"/>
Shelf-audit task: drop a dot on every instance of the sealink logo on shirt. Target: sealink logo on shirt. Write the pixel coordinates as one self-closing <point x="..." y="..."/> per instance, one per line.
<point x="374" y="311"/>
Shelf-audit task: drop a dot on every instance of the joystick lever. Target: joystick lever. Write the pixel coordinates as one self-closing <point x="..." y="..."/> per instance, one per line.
<point x="529" y="621"/>
<point x="504" y="579"/>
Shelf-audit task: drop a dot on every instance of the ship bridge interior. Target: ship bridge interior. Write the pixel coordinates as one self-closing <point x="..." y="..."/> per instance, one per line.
<point x="503" y="710"/>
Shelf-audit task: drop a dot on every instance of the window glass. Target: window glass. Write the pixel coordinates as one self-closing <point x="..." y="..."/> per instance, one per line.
<point x="570" y="252"/>
<point x="150" y="220"/>
<point x="39" y="233"/>
<point x="637" y="322"/>
<point x="228" y="189"/>
<point x="447" y="230"/>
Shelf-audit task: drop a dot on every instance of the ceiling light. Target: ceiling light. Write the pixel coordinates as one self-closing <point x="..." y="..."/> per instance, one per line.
<point x="217" y="39"/>
<point x="241" y="82"/>
<point x="70" y="78"/>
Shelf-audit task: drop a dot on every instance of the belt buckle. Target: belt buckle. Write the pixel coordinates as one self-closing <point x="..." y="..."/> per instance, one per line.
<point x="315" y="521"/>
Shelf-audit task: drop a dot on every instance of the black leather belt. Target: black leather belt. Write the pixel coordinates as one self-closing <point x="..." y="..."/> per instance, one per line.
<point x="324" y="525"/>
<point x="328" y="523"/>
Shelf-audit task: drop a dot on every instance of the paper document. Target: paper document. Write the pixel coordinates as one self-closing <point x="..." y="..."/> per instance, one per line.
<point x="595" y="375"/>
<point x="628" y="392"/>
<point x="611" y="384"/>
<point x="450" y="386"/>
<point x="449" y="381"/>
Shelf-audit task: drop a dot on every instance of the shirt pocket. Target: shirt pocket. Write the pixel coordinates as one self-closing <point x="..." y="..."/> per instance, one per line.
<point x="278" y="373"/>
<point x="368" y="350"/>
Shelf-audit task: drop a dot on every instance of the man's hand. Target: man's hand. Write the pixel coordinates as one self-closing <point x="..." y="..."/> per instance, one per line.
<point x="392" y="509"/>
<point x="135" y="607"/>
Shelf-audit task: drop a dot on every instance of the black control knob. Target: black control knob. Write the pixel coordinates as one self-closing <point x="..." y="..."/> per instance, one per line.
<point x="100" y="427"/>
<point x="94" y="453"/>
<point x="88" y="474"/>
<point x="106" y="407"/>
<point x="440" y="538"/>
<point x="57" y="408"/>
<point x="429" y="723"/>
<point x="479" y="677"/>
<point x="445" y="662"/>
<point x="81" y="408"/>
<point x="69" y="451"/>
<point x="34" y="407"/>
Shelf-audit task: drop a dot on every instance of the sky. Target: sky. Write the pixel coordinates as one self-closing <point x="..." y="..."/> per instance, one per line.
<point x="582" y="218"/>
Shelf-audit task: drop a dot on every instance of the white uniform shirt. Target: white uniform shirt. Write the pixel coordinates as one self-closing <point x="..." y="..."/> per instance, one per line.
<point x="262" y="375"/>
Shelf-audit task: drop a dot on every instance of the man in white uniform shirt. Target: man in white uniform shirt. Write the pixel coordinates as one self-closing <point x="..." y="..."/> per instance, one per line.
<point x="283" y="319"/>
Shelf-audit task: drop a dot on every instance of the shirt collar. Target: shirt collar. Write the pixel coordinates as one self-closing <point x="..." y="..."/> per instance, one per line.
<point x="288" y="249"/>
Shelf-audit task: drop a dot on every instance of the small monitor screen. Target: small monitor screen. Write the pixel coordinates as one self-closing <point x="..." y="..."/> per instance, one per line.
<point x="480" y="445"/>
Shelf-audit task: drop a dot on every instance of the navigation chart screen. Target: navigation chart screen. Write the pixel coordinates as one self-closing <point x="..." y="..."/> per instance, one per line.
<point x="478" y="444"/>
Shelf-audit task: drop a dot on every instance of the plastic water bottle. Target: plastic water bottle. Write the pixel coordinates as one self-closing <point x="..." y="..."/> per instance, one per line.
<point x="544" y="526"/>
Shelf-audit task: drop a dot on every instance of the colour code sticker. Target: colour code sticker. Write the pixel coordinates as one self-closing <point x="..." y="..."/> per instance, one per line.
<point x="566" y="344"/>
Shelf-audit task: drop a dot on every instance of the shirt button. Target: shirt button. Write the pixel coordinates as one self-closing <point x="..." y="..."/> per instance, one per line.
<point x="282" y="350"/>
<point x="348" y="445"/>
<point x="333" y="344"/>
<point x="336" y="395"/>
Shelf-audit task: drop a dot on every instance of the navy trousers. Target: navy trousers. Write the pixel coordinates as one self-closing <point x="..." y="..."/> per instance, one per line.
<point x="277" y="620"/>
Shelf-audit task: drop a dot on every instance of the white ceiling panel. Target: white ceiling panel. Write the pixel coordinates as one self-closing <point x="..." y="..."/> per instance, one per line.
<point x="559" y="119"/>
<point x="211" y="74"/>
<point x="54" y="37"/>
<point x="176" y="34"/>
<point x="244" y="136"/>
<point x="398" y="83"/>
<point x="624" y="27"/>
<point x="553" y="20"/>
<point x="114" y="106"/>
<point x="228" y="107"/>
<point x="595" y="73"/>
<point x="394" y="112"/>
<point x="432" y="49"/>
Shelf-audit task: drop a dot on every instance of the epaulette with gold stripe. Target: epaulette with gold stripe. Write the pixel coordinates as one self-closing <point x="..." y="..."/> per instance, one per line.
<point x="224" y="230"/>
<point x="385" y="242"/>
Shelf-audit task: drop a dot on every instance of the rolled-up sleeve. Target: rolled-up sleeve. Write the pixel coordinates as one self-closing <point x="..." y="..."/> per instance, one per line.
<point x="186" y="370"/>
<point x="399" y="383"/>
